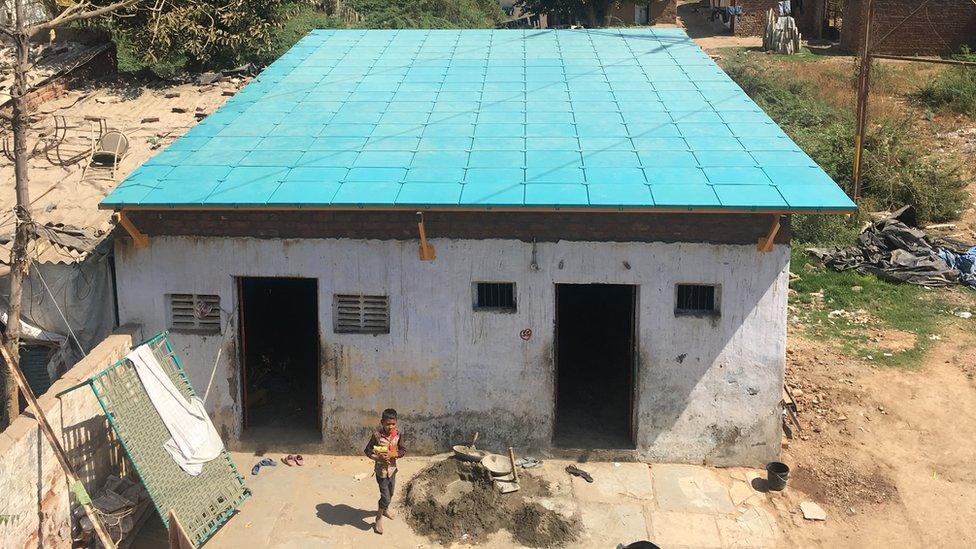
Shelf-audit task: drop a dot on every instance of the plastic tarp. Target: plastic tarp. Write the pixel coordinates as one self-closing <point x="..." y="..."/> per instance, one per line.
<point x="892" y="250"/>
<point x="83" y="291"/>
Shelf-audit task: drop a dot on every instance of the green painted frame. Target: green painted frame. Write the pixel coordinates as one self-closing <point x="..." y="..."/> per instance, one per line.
<point x="168" y="486"/>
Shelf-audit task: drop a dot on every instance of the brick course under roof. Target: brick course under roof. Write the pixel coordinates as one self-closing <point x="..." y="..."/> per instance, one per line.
<point x="488" y="119"/>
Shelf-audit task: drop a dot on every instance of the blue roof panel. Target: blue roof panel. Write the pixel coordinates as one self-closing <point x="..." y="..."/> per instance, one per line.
<point x="488" y="118"/>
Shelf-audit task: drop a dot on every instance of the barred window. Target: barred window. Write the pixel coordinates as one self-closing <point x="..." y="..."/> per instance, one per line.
<point x="696" y="299"/>
<point x="494" y="296"/>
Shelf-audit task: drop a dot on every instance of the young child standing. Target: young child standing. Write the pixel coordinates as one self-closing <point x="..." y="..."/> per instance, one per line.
<point x="384" y="447"/>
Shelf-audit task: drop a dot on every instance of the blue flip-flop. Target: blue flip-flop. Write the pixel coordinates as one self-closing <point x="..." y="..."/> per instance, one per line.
<point x="266" y="462"/>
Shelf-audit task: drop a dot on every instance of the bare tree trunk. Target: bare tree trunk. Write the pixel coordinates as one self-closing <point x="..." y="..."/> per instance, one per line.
<point x="18" y="255"/>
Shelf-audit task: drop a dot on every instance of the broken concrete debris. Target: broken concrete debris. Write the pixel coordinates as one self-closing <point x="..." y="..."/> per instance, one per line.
<point x="812" y="511"/>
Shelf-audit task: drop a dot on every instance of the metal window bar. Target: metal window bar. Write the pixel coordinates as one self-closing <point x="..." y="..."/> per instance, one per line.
<point x="203" y="502"/>
<point x="495" y="296"/>
<point x="695" y="298"/>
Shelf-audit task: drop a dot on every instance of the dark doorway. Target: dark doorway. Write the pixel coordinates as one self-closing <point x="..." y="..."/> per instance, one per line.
<point x="595" y="326"/>
<point x="280" y="356"/>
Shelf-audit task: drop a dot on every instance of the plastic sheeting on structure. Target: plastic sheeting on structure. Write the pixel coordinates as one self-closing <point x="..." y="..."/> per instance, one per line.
<point x="84" y="293"/>
<point x="894" y="251"/>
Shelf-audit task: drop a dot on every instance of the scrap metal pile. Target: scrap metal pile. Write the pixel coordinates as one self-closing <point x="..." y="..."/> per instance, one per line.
<point x="893" y="249"/>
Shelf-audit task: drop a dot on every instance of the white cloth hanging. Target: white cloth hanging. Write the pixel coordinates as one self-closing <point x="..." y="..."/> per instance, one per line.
<point x="194" y="440"/>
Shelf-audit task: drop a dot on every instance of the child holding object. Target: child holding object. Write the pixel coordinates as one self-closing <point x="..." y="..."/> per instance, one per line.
<point x="384" y="447"/>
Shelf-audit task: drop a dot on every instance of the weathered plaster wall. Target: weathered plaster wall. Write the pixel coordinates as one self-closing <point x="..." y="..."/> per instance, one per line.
<point x="708" y="389"/>
<point x="34" y="499"/>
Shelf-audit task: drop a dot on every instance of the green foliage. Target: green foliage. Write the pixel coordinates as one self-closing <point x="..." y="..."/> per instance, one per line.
<point x="897" y="169"/>
<point x="885" y="305"/>
<point x="304" y="20"/>
<point x="427" y="14"/>
<point x="953" y="90"/>
<point x="822" y="230"/>
<point x="203" y="34"/>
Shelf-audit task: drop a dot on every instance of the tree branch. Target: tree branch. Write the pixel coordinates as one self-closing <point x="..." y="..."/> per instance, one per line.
<point x="71" y="15"/>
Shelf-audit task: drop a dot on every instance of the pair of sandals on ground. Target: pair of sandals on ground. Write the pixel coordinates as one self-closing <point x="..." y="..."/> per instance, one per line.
<point x="289" y="460"/>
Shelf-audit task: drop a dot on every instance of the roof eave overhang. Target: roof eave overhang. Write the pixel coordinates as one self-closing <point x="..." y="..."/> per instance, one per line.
<point x="485" y="208"/>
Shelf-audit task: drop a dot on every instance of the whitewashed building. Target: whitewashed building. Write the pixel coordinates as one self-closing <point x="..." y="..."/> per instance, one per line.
<point x="557" y="239"/>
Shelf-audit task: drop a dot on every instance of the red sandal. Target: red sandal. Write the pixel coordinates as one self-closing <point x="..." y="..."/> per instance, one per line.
<point x="289" y="460"/>
<point x="299" y="460"/>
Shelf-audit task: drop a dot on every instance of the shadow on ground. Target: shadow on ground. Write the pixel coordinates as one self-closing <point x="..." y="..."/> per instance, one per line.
<point x="344" y="515"/>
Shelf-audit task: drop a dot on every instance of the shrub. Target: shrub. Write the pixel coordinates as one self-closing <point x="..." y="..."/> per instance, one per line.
<point x="211" y="34"/>
<point x="897" y="169"/>
<point x="953" y="89"/>
<point x="427" y="14"/>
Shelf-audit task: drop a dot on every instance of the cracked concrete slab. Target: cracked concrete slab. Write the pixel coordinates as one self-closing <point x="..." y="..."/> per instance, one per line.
<point x="676" y="530"/>
<point x="753" y="528"/>
<point x="627" y="519"/>
<point x="690" y="489"/>
<point x="614" y="483"/>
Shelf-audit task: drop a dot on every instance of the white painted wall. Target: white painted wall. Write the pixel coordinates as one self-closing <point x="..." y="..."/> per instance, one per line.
<point x="708" y="390"/>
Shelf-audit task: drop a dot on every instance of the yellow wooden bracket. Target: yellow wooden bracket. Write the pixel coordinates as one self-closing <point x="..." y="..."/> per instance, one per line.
<point x="427" y="252"/>
<point x="766" y="242"/>
<point x="140" y="239"/>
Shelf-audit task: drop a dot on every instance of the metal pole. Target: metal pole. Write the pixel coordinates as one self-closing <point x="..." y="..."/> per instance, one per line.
<point x="863" y="89"/>
<point x="936" y="60"/>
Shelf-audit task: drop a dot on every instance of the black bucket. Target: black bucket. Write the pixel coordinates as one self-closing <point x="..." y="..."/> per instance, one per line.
<point x="776" y="475"/>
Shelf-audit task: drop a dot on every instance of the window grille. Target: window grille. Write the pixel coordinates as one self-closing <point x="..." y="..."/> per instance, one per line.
<point x="696" y="299"/>
<point x="361" y="314"/>
<point x="494" y="296"/>
<point x="194" y="313"/>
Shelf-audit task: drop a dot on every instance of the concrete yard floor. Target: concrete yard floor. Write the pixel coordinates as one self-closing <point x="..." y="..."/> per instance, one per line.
<point x="323" y="505"/>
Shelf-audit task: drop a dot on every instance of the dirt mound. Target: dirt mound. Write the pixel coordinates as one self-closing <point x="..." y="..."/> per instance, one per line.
<point x="453" y="501"/>
<point x="841" y="484"/>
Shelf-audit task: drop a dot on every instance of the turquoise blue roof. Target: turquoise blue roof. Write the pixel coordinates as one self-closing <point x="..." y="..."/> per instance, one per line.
<point x="545" y="119"/>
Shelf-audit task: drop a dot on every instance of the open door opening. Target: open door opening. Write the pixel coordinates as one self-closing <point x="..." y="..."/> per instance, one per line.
<point x="280" y="358"/>
<point x="595" y="326"/>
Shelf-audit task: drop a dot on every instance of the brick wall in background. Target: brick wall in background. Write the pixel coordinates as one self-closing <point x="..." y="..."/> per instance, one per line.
<point x="753" y="21"/>
<point x="659" y="12"/>
<point x="942" y="27"/>
<point x="32" y="483"/>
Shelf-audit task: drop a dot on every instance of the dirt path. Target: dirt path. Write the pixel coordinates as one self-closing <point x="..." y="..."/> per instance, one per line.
<point x="706" y="34"/>
<point x="889" y="452"/>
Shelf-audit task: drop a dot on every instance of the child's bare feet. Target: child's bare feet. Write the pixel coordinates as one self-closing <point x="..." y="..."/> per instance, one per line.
<point x="378" y="525"/>
<point x="388" y="513"/>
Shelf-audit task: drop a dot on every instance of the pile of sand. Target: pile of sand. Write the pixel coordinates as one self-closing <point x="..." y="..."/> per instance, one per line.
<point x="443" y="507"/>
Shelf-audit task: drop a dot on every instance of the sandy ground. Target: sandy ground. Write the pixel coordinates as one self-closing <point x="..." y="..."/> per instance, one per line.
<point x="331" y="500"/>
<point x="709" y="35"/>
<point x="888" y="452"/>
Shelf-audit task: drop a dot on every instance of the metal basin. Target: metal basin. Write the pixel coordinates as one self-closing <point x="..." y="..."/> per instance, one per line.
<point x="497" y="465"/>
<point x="466" y="453"/>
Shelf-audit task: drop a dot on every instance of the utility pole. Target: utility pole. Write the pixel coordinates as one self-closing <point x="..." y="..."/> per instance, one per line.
<point x="864" y="81"/>
<point x="18" y="255"/>
<point x="863" y="90"/>
<point x="20" y="33"/>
